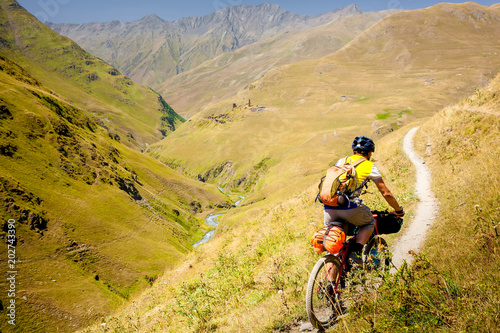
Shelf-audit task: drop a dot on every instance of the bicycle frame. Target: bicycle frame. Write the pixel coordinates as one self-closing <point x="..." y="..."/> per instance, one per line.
<point x="344" y="264"/>
<point x="342" y="255"/>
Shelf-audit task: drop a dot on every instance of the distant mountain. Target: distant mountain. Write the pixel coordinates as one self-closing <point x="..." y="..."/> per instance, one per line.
<point x="96" y="220"/>
<point x="152" y="50"/>
<point x="225" y="75"/>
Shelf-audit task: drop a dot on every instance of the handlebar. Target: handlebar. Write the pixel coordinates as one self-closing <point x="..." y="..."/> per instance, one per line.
<point x="386" y="212"/>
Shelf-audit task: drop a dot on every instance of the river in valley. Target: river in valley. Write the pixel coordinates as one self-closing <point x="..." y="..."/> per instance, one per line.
<point x="212" y="220"/>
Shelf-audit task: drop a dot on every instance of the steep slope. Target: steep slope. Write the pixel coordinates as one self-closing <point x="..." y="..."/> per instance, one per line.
<point x="223" y="76"/>
<point x="311" y="109"/>
<point x="95" y="219"/>
<point x="445" y="37"/>
<point x="151" y="50"/>
<point x="133" y="113"/>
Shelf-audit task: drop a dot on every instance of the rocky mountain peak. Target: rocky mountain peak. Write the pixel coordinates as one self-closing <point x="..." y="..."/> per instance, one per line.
<point x="352" y="9"/>
<point x="153" y="18"/>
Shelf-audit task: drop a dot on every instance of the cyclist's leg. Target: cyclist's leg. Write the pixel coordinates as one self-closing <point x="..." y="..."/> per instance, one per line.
<point x="362" y="217"/>
<point x="331" y="218"/>
<point x="333" y="272"/>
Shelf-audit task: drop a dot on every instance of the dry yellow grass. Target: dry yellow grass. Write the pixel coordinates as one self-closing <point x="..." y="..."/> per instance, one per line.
<point x="462" y="144"/>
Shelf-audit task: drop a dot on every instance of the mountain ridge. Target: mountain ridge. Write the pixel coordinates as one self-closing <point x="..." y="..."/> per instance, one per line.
<point x="163" y="49"/>
<point x="223" y="76"/>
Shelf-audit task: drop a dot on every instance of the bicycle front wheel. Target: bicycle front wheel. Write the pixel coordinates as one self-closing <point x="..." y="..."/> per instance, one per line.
<point x="376" y="254"/>
<point x="323" y="301"/>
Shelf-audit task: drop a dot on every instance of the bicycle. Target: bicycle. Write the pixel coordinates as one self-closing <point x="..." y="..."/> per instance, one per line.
<point x="324" y="302"/>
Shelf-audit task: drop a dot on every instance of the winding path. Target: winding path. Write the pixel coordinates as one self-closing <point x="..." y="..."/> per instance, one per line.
<point x="414" y="235"/>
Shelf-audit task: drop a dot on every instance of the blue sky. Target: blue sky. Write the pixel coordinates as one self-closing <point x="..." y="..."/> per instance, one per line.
<point x="83" y="11"/>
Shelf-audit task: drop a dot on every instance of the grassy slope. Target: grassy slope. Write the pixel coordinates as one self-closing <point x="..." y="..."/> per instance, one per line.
<point x="73" y="192"/>
<point x="132" y="111"/>
<point x="461" y="144"/>
<point x="96" y="219"/>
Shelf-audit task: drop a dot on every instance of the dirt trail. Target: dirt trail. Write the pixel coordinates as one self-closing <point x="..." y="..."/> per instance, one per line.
<point x="414" y="235"/>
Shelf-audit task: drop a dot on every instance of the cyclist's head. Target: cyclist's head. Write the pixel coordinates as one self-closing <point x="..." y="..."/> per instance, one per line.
<point x="363" y="145"/>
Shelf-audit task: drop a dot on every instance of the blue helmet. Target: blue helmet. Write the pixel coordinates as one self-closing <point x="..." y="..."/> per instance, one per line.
<point x="363" y="143"/>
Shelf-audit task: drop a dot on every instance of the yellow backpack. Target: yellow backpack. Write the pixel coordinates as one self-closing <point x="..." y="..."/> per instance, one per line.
<point x="332" y="187"/>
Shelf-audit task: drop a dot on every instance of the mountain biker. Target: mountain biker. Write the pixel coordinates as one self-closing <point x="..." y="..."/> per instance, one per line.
<point x="355" y="211"/>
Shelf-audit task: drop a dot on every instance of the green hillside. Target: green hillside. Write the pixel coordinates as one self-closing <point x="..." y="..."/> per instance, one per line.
<point x="96" y="220"/>
<point x="134" y="114"/>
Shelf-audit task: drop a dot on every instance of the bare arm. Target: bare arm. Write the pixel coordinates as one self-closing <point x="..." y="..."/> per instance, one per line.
<point x="387" y="194"/>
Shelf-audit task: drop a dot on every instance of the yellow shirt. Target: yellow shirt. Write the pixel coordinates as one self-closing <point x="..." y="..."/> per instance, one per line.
<point x="364" y="172"/>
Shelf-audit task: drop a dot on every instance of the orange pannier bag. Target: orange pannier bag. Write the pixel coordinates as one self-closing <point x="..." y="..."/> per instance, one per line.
<point x="328" y="239"/>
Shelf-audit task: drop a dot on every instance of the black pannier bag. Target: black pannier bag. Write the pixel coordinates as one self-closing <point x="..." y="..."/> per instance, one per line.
<point x="386" y="223"/>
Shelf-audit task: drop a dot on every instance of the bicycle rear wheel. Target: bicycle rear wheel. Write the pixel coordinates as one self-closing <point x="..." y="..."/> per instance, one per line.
<point x="376" y="254"/>
<point x="323" y="305"/>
